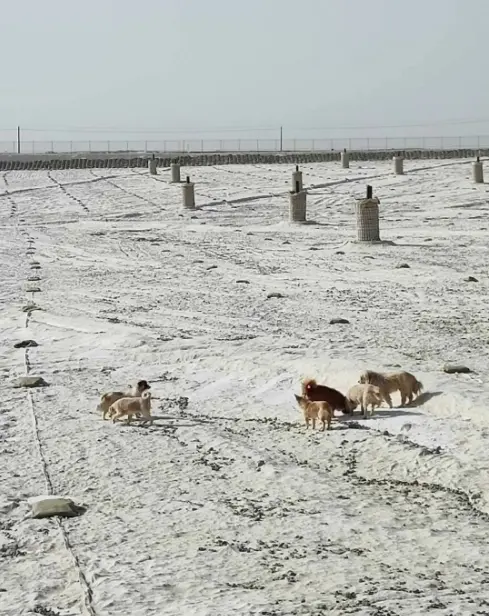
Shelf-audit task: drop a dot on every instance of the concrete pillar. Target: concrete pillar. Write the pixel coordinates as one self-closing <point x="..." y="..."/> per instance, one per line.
<point x="478" y="171"/>
<point x="152" y="166"/>
<point x="345" y="159"/>
<point x="367" y="211"/>
<point x="175" y="173"/>
<point x="398" y="165"/>
<point x="296" y="177"/>
<point x="188" y="194"/>
<point x="298" y="204"/>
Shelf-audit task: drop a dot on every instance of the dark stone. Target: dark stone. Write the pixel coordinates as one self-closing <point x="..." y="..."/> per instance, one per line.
<point x="471" y="279"/>
<point x="25" y="343"/>
<point x="274" y="295"/>
<point x="242" y="281"/>
<point x="30" y="381"/>
<point x="456" y="369"/>
<point x="30" y="308"/>
<point x="403" y="266"/>
<point x="339" y="321"/>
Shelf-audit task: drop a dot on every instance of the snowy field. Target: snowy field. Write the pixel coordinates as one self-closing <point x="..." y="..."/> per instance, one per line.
<point x="227" y="506"/>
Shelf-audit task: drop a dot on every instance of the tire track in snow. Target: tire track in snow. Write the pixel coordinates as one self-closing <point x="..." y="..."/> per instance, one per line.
<point x="62" y="187"/>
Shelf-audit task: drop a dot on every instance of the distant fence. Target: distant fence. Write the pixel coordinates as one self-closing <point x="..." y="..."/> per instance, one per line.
<point x="207" y="146"/>
<point x="115" y="161"/>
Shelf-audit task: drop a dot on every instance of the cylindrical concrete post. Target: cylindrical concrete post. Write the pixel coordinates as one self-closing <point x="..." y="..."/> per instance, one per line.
<point x="367" y="211"/>
<point x="175" y="173"/>
<point x="345" y="159"/>
<point x="298" y="206"/>
<point x="478" y="171"/>
<point x="188" y="194"/>
<point x="398" y="165"/>
<point x="152" y="166"/>
<point x="296" y="177"/>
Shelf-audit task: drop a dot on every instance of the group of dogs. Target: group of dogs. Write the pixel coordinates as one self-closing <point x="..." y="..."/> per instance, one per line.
<point x="317" y="402"/>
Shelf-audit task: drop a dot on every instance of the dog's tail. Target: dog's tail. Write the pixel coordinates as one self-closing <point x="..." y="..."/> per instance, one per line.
<point x="419" y="387"/>
<point x="307" y="385"/>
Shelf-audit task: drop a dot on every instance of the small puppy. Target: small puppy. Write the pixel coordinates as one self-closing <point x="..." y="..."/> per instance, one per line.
<point x="315" y="410"/>
<point x="364" y="395"/>
<point x="130" y="407"/>
<point x="321" y="393"/>
<point x="132" y="391"/>
<point x="404" y="382"/>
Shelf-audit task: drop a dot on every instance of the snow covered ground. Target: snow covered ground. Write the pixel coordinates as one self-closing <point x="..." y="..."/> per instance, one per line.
<point x="227" y="506"/>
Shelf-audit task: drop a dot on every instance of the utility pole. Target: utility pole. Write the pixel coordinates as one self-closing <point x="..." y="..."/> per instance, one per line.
<point x="281" y="138"/>
<point x="18" y="139"/>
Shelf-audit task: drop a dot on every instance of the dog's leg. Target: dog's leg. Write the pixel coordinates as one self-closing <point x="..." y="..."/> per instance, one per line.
<point x="313" y="423"/>
<point x="388" y="399"/>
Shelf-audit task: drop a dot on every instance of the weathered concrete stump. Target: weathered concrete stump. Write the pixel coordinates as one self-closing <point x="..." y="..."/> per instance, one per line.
<point x="296" y="177"/>
<point x="298" y="204"/>
<point x="478" y="171"/>
<point x="367" y="211"/>
<point x="188" y="194"/>
<point x="152" y="165"/>
<point x="345" y="159"/>
<point x="175" y="173"/>
<point x="398" y="165"/>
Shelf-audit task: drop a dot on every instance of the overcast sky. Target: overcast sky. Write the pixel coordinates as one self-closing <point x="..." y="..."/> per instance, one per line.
<point x="203" y="64"/>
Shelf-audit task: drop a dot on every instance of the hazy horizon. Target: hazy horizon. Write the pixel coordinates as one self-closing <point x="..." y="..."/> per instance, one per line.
<point x="319" y="68"/>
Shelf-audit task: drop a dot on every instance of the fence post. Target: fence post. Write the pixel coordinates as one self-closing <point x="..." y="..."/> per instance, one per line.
<point x="18" y="139"/>
<point x="281" y="138"/>
<point x="313" y="145"/>
<point x="108" y="146"/>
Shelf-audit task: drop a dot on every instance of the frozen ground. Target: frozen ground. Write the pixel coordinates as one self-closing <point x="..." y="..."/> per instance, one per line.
<point x="228" y="506"/>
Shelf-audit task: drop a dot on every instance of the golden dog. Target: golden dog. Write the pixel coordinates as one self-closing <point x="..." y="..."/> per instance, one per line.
<point x="363" y="395"/>
<point x="404" y="382"/>
<point x="315" y="410"/>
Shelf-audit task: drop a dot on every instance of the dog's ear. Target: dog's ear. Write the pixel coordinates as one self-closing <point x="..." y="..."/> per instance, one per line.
<point x="298" y="398"/>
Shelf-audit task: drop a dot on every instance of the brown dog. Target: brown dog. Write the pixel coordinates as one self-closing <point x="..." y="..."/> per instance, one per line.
<point x="315" y="410"/>
<point x="404" y="382"/>
<point x="321" y="393"/>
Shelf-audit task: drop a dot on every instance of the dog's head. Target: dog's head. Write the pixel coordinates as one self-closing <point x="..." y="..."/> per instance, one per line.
<point x="143" y="386"/>
<point x="146" y="395"/>
<point x="350" y="406"/>
<point x="364" y="377"/>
